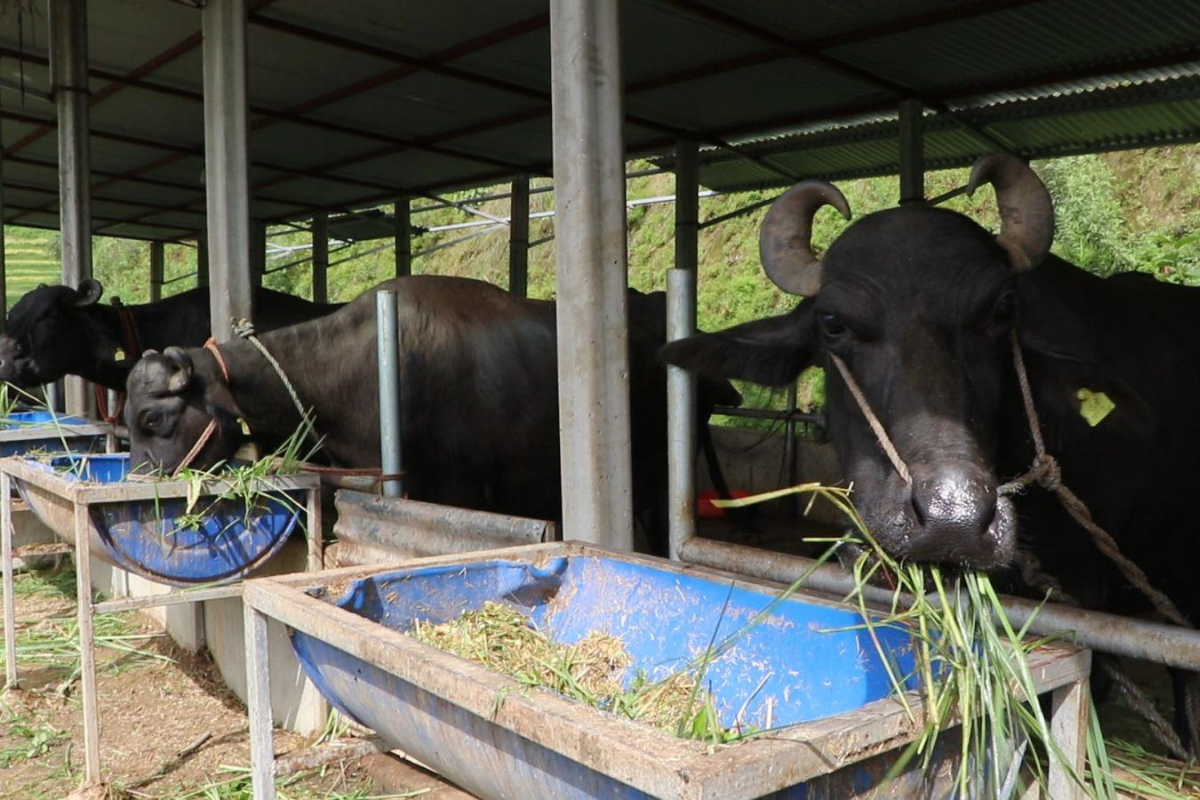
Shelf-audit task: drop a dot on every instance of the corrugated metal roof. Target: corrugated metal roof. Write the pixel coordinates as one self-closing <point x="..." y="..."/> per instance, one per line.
<point x="358" y="101"/>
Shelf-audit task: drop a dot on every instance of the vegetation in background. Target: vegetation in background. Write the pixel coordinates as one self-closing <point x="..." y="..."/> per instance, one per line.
<point x="1134" y="210"/>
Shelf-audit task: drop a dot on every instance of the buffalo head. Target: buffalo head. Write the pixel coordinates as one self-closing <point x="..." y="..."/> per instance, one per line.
<point x="169" y="407"/>
<point x="919" y="303"/>
<point x="50" y="334"/>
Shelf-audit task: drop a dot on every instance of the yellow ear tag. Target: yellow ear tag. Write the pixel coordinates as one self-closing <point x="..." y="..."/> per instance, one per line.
<point x="245" y="428"/>
<point x="1094" y="406"/>
<point x="119" y="355"/>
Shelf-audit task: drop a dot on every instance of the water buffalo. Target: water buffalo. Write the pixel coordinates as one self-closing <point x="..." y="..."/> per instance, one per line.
<point x="480" y="396"/>
<point x="55" y="331"/>
<point x="920" y="303"/>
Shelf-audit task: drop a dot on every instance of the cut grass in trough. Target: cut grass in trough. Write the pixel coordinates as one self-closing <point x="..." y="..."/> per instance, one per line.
<point x="591" y="670"/>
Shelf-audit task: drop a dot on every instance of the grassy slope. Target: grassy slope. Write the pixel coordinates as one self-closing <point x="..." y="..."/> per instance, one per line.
<point x="1131" y="210"/>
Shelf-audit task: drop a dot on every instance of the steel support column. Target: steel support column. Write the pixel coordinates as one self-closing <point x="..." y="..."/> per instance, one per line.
<point x="158" y="252"/>
<point x="402" y="219"/>
<point x="227" y="164"/>
<point x="69" y="66"/>
<point x="518" y="237"/>
<point x="320" y="257"/>
<point x="681" y="322"/>
<point x="593" y="358"/>
<point x="912" y="151"/>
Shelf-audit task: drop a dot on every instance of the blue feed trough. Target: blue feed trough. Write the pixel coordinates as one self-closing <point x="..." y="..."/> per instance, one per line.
<point x="804" y="666"/>
<point x="151" y="528"/>
<point x="27" y="431"/>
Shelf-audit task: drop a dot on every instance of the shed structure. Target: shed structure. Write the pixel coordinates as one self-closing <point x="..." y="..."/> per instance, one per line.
<point x="172" y="120"/>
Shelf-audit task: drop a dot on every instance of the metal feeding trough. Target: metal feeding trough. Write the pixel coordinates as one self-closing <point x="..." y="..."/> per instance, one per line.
<point x="45" y="431"/>
<point x="823" y="692"/>
<point x="162" y="530"/>
<point x="175" y="532"/>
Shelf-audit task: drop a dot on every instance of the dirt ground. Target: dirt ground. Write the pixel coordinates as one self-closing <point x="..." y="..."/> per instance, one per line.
<point x="169" y="728"/>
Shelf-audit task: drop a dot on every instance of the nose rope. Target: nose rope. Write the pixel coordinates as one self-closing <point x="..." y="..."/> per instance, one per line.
<point x="877" y="428"/>
<point x="211" y="427"/>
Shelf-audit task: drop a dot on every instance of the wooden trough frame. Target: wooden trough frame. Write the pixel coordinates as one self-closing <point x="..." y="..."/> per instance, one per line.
<point x="81" y="495"/>
<point x="654" y="763"/>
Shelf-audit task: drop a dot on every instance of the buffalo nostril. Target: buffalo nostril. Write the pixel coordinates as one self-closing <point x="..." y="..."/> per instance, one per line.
<point x="955" y="503"/>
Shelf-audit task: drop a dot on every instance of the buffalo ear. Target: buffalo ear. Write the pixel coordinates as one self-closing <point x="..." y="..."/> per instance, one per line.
<point x="771" y="351"/>
<point x="181" y="379"/>
<point x="89" y="292"/>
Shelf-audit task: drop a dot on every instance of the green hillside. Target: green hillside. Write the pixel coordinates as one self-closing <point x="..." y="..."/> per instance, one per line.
<point x="1118" y="211"/>
<point x="31" y="257"/>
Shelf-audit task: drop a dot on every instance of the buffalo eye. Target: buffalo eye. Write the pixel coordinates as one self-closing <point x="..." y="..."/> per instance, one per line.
<point x="151" y="419"/>
<point x="1004" y="313"/>
<point x="831" y="326"/>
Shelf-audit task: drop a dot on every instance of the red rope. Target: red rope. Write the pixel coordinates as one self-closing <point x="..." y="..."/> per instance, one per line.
<point x="133" y="349"/>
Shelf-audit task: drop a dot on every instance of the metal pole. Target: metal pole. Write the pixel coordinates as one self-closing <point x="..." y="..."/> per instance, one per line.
<point x="1165" y="644"/>
<point x="69" y="65"/>
<point x="789" y="447"/>
<point x="518" y="237"/>
<point x="402" y="220"/>
<point x="388" y="352"/>
<point x="681" y="413"/>
<point x="158" y="260"/>
<point x="912" y="152"/>
<point x="681" y="322"/>
<point x="593" y="359"/>
<point x="227" y="164"/>
<point x="202" y="260"/>
<point x="320" y="257"/>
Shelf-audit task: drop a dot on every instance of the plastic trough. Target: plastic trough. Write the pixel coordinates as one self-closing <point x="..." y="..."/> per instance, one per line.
<point x="140" y="526"/>
<point x="824" y="693"/>
<point x="23" y="431"/>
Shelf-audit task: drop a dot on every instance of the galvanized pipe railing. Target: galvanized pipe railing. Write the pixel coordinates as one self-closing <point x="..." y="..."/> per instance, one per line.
<point x="388" y="353"/>
<point x="1152" y="641"/>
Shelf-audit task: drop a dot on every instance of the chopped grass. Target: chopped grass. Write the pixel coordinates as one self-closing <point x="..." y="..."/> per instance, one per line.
<point x="235" y="784"/>
<point x="591" y="670"/>
<point x="1135" y="770"/>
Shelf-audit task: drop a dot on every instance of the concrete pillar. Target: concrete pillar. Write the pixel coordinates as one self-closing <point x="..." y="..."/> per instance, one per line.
<point x="320" y="258"/>
<point x="157" y="268"/>
<point x="589" y="174"/>
<point x="518" y="237"/>
<point x="227" y="164"/>
<point x="681" y="322"/>
<point x="402" y="218"/>
<point x="912" y="152"/>
<point x="69" y="70"/>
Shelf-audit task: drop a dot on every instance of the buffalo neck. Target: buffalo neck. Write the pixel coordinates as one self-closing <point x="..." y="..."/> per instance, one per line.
<point x="318" y="371"/>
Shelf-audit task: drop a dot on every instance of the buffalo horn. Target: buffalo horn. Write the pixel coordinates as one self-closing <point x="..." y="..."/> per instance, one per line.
<point x="1026" y="213"/>
<point x="182" y="377"/>
<point x="89" y="292"/>
<point x="785" y="244"/>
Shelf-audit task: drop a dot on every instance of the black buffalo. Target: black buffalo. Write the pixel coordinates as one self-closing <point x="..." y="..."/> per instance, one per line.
<point x="920" y="304"/>
<point x="479" y="397"/>
<point x="54" y="331"/>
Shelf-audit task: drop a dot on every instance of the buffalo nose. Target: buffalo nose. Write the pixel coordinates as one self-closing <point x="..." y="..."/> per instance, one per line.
<point x="954" y="501"/>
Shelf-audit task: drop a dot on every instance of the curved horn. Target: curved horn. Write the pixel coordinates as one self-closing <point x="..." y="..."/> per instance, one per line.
<point x="89" y="291"/>
<point x="182" y="377"/>
<point x="1026" y="212"/>
<point x="785" y="244"/>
